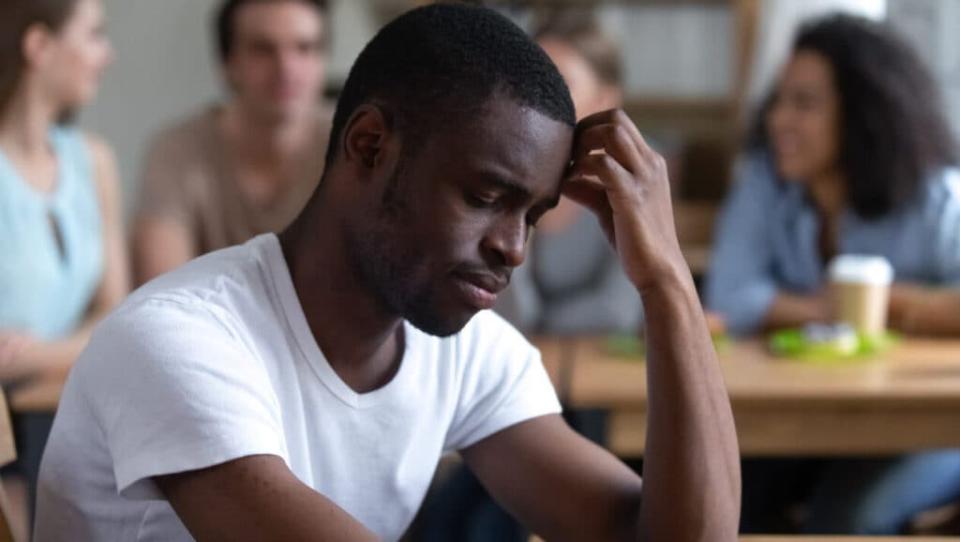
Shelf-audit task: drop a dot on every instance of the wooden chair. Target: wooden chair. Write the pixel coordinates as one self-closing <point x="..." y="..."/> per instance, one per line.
<point x="8" y="453"/>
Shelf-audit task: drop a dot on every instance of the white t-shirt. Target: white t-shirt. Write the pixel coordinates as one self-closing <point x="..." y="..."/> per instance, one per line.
<point x="216" y="361"/>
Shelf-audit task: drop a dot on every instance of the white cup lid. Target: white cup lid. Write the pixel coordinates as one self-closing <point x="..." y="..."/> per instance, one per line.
<point x="861" y="268"/>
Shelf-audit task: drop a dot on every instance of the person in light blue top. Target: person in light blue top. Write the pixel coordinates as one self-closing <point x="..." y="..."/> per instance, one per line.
<point x="849" y="155"/>
<point x="63" y="264"/>
<point x="53" y="242"/>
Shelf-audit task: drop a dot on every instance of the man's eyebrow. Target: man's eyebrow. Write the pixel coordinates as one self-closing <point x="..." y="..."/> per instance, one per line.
<point x="507" y="185"/>
<point x="518" y="189"/>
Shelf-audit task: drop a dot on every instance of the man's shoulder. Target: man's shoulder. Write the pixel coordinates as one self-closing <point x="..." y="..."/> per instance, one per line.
<point x="181" y="322"/>
<point x="214" y="285"/>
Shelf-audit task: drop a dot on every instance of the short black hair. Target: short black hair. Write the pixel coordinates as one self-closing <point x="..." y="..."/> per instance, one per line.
<point x="224" y="22"/>
<point x="893" y="132"/>
<point x="440" y="61"/>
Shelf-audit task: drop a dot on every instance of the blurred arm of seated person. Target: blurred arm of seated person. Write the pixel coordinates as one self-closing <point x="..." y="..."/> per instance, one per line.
<point x="160" y="245"/>
<point x="792" y="310"/>
<point x="914" y="310"/>
<point x="171" y="194"/>
<point x="924" y="310"/>
<point x="22" y="355"/>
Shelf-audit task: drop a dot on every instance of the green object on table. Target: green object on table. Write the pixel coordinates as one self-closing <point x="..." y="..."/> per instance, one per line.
<point x="634" y="347"/>
<point x="793" y="343"/>
<point x="626" y="346"/>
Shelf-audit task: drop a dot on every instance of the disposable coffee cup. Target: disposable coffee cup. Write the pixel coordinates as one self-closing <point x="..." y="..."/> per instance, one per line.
<point x="860" y="287"/>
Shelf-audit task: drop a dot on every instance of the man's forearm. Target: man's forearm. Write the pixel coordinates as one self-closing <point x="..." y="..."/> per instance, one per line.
<point x="691" y="464"/>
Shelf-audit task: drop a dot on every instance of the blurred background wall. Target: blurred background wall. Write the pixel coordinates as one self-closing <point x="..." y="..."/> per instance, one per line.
<point x="693" y="68"/>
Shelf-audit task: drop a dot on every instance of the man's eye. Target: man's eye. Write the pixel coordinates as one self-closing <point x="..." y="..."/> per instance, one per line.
<point x="481" y="201"/>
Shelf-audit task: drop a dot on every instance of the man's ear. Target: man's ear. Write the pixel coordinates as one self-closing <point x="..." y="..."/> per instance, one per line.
<point x="364" y="137"/>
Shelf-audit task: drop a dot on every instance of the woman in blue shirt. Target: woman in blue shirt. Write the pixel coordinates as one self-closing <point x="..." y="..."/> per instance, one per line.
<point x="850" y="155"/>
<point x="62" y="258"/>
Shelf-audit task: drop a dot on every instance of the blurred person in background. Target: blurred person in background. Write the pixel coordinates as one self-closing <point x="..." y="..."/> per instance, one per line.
<point x="63" y="265"/>
<point x="246" y="166"/>
<point x="571" y="282"/>
<point x="850" y="155"/>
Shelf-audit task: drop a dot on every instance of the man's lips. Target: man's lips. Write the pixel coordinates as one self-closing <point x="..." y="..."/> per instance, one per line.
<point x="480" y="289"/>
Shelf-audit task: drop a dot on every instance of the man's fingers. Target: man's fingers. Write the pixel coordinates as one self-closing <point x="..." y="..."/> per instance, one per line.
<point x="609" y="172"/>
<point x="592" y="195"/>
<point x="588" y="193"/>
<point x="613" y="139"/>
<point x="614" y="116"/>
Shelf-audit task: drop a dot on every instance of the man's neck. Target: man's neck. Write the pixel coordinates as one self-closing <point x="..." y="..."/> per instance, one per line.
<point x="360" y="339"/>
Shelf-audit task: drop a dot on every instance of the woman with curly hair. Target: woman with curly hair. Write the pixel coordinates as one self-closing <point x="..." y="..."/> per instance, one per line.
<point x="850" y="155"/>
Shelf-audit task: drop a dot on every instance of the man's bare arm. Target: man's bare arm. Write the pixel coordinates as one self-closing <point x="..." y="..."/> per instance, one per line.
<point x="562" y="486"/>
<point x="691" y="462"/>
<point x="256" y="498"/>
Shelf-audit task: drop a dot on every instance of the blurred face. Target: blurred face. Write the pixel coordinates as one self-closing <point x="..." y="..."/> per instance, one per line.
<point x="276" y="65"/>
<point x="69" y="62"/>
<point x="590" y="95"/>
<point x="804" y="121"/>
<point x="448" y="224"/>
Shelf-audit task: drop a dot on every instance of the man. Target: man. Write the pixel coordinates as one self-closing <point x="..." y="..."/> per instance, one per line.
<point x="247" y="166"/>
<point x="304" y="387"/>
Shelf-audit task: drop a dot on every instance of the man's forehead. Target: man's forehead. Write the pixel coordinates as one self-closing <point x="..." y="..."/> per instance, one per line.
<point x="509" y="156"/>
<point x="508" y="138"/>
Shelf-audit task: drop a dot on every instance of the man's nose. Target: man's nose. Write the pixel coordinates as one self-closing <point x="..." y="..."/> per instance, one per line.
<point x="508" y="241"/>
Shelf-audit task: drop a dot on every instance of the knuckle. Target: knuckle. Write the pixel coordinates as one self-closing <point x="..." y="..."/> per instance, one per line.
<point x="659" y="162"/>
<point x="620" y="135"/>
<point x="606" y="161"/>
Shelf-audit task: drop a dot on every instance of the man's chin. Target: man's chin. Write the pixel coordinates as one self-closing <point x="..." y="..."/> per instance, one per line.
<point x="439" y="326"/>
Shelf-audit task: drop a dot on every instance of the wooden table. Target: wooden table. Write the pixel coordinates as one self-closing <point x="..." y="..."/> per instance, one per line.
<point x="847" y="539"/>
<point x="907" y="399"/>
<point x="39" y="394"/>
<point x="767" y="538"/>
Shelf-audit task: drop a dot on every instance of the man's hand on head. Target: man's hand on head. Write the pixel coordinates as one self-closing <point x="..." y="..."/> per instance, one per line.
<point x="691" y="441"/>
<point x="624" y="182"/>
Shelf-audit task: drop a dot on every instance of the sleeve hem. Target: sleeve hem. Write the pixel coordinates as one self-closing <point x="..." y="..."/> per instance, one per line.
<point x="134" y="476"/>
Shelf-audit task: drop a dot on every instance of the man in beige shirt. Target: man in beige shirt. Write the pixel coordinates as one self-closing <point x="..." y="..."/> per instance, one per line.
<point x="246" y="166"/>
